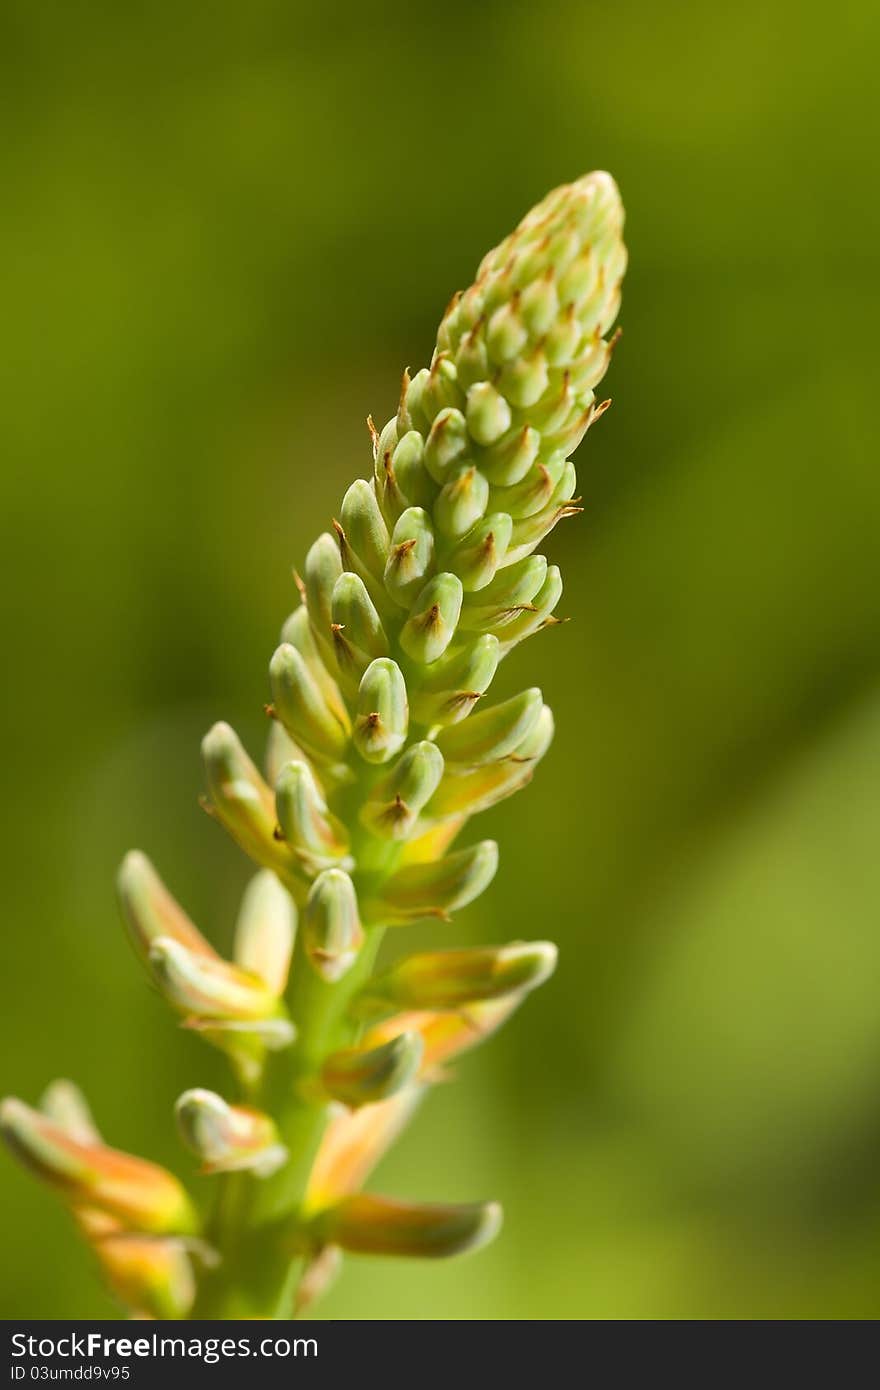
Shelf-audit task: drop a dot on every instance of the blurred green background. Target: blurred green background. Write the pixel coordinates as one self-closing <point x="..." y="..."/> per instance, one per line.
<point x="226" y="228"/>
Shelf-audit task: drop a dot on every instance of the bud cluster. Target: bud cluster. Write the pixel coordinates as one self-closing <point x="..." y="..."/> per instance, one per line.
<point x="381" y="748"/>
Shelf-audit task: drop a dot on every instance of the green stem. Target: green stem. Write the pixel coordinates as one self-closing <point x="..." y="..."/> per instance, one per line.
<point x="254" y="1225"/>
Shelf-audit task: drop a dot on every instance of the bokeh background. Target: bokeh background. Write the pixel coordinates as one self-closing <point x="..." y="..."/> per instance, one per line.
<point x="226" y="229"/>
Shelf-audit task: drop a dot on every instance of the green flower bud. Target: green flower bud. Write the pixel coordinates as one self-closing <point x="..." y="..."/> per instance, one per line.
<point x="447" y="444"/>
<point x="150" y="911"/>
<point x="431" y="627"/>
<point x="559" y="408"/>
<point x="409" y="469"/>
<point x="472" y="358"/>
<point x="415" y="411"/>
<point x="442" y="389"/>
<point x="316" y="837"/>
<point x="531" y="493"/>
<point x="228" y="1138"/>
<point x="264" y="931"/>
<point x="438" y="888"/>
<point x="477" y="558"/>
<point x="390" y="496"/>
<point x="322" y="569"/>
<point x="461" y="503"/>
<point x="362" y="1076"/>
<point x="379" y="1226"/>
<point x="298" y="632"/>
<point x="506" y="334"/>
<point x="210" y="989"/>
<point x="383" y="712"/>
<point x="365" y="528"/>
<point x="561" y="342"/>
<point x="476" y="789"/>
<point x="524" y="380"/>
<point x="453" y="684"/>
<point x="531" y="530"/>
<point x="581" y="277"/>
<point x="567" y="438"/>
<point x="493" y="733"/>
<point x="539" y="304"/>
<point x="539" y="614"/>
<point x="240" y="798"/>
<point x="358" y="634"/>
<point x="451" y="979"/>
<point x="488" y="414"/>
<point x="512" y="457"/>
<point x="331" y="925"/>
<point x="396" y="801"/>
<point x="412" y="555"/>
<point x="299" y="705"/>
<point x="513" y="587"/>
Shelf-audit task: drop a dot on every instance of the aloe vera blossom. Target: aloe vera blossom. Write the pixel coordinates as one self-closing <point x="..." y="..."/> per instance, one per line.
<point x="382" y="744"/>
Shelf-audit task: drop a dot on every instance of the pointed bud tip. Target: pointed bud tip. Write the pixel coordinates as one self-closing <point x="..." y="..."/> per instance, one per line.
<point x="220" y="737"/>
<point x="536" y="959"/>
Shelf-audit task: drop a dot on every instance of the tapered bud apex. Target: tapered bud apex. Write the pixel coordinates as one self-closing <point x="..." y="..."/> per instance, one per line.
<point x="364" y="1076"/>
<point x="150" y="911"/>
<point x="139" y="1194"/>
<point x="488" y="414"/>
<point x="442" y="388"/>
<point x="228" y="1138"/>
<point x="382" y="720"/>
<point x="241" y="799"/>
<point x="451" y="979"/>
<point x="431" y="627"/>
<point x="454" y="684"/>
<point x="477" y="559"/>
<point x="503" y="599"/>
<point x="408" y="466"/>
<point x="447" y="443"/>
<point x="331" y="924"/>
<point x="151" y="1275"/>
<point x="322" y="569"/>
<point x="365" y="527"/>
<point x="512" y="457"/>
<point x="529" y="531"/>
<point x="493" y="732"/>
<point x="209" y="989"/>
<point x="439" y="888"/>
<point x="358" y="634"/>
<point x="300" y="706"/>
<point x="265" y="930"/>
<point x="411" y="556"/>
<point x="539" y="304"/>
<point x="316" y="837"/>
<point x="379" y="1226"/>
<point x="485" y="785"/>
<point x="524" y="380"/>
<point x="396" y="801"/>
<point x="532" y="493"/>
<point x="506" y="334"/>
<point x="544" y="603"/>
<point x="298" y="632"/>
<point x="461" y="503"/>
